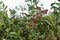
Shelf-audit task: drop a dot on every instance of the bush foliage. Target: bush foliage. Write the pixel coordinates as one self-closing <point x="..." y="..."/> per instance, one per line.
<point x="32" y="26"/>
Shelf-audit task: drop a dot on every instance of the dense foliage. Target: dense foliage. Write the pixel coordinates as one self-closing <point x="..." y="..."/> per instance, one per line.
<point x="32" y="26"/>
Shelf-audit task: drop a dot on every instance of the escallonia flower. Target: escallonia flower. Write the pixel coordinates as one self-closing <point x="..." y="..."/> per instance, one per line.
<point x="34" y="24"/>
<point x="45" y="11"/>
<point x="34" y="20"/>
<point x="39" y="15"/>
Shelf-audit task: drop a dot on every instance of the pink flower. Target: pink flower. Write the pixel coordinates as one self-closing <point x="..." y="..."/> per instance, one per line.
<point x="34" y="24"/>
<point x="34" y="20"/>
<point x="45" y="11"/>
<point x="39" y="15"/>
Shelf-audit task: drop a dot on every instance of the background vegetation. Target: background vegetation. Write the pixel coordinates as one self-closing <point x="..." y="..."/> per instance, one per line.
<point x="32" y="26"/>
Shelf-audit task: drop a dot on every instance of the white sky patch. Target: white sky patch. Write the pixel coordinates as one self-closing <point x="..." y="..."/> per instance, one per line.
<point x="47" y="3"/>
<point x="13" y="3"/>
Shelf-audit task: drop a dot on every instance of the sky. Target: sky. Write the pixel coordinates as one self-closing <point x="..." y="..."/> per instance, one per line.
<point x="13" y="3"/>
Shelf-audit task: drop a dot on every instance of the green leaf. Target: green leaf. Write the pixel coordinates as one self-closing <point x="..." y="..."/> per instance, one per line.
<point x="55" y="3"/>
<point x="1" y="2"/>
<point x="34" y="0"/>
<point x="12" y="33"/>
<point x="12" y="11"/>
<point x="51" y="17"/>
<point x="1" y="25"/>
<point x="31" y="7"/>
<point x="58" y="22"/>
<point x="8" y="29"/>
<point x="27" y="0"/>
<point x="5" y="7"/>
<point x="58" y="0"/>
